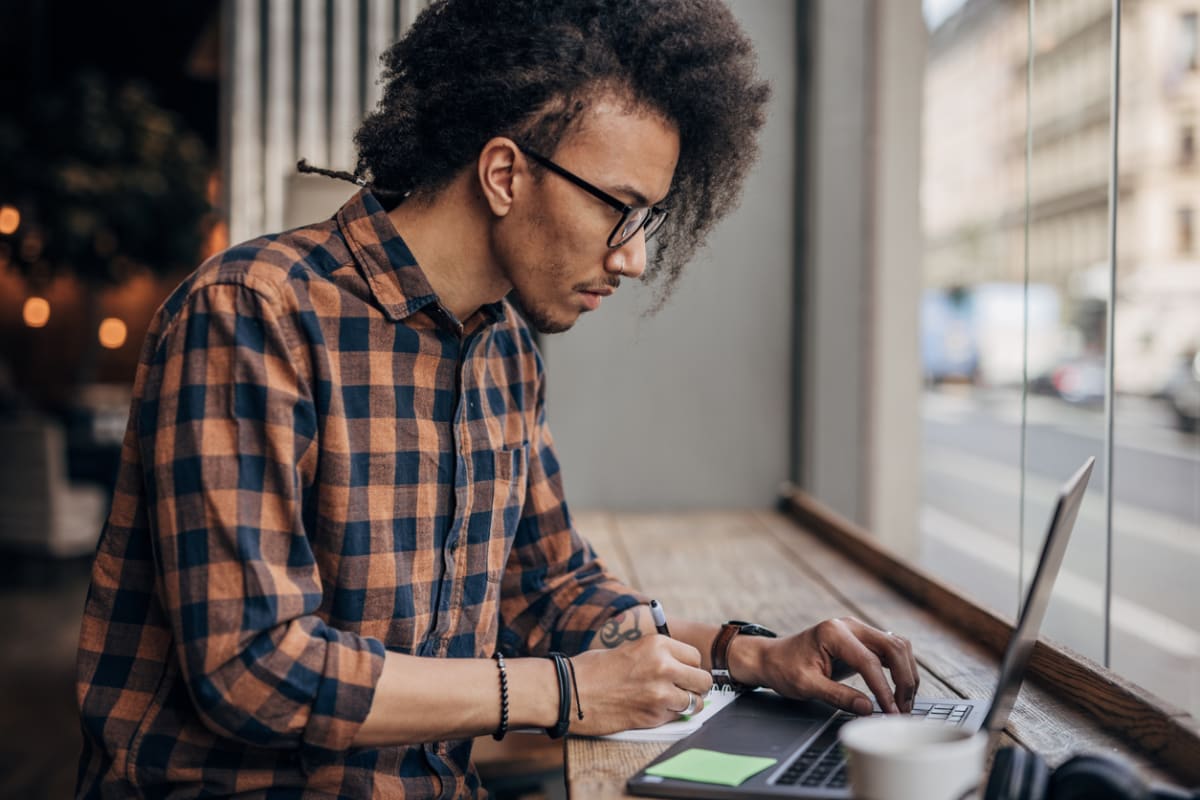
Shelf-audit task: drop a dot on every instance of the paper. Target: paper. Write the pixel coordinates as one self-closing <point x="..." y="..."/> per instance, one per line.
<point x="709" y="766"/>
<point x="714" y="701"/>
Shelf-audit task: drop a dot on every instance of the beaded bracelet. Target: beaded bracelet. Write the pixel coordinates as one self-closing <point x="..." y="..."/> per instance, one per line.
<point x="503" y="728"/>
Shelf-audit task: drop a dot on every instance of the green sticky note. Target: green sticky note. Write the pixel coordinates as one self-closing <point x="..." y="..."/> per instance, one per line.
<point x="709" y="766"/>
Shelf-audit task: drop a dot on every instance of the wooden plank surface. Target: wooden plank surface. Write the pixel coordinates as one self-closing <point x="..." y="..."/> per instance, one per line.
<point x="706" y="566"/>
<point x="716" y="565"/>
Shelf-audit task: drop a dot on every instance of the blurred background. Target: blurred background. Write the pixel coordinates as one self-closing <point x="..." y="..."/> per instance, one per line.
<point x="916" y="315"/>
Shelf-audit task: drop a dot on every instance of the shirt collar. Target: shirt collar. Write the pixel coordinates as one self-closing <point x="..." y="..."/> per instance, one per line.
<point x="396" y="281"/>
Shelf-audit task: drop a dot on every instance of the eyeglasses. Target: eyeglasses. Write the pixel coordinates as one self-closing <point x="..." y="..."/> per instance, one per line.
<point x="633" y="218"/>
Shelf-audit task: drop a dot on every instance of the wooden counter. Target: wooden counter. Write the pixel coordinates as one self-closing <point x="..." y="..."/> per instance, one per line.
<point x="765" y="567"/>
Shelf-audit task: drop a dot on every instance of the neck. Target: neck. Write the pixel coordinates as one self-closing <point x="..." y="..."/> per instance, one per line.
<point x="448" y="238"/>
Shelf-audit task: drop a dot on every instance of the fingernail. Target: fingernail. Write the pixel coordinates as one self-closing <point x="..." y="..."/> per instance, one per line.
<point x="895" y="709"/>
<point x="862" y="706"/>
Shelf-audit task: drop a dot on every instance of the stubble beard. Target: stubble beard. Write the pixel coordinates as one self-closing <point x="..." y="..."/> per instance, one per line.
<point x="541" y="318"/>
<point x="540" y="314"/>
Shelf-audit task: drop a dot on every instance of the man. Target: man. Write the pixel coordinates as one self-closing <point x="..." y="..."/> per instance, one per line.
<point x="339" y="495"/>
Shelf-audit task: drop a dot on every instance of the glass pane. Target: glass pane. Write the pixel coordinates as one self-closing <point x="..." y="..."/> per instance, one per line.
<point x="972" y="196"/>
<point x="1070" y="129"/>
<point x="1156" y="510"/>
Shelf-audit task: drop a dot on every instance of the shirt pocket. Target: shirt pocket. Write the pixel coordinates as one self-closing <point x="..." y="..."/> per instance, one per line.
<point x="511" y="476"/>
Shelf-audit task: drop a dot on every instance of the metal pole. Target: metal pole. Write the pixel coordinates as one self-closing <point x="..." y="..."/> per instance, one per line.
<point x="1110" y="356"/>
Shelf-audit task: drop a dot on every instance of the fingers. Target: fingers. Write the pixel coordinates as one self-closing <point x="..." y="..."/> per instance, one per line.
<point x="694" y="703"/>
<point x="843" y="697"/>
<point x="691" y="679"/>
<point x="906" y="675"/>
<point x="685" y="671"/>
<point x="868" y="651"/>
<point x="895" y="653"/>
<point x="682" y="651"/>
<point x="846" y="645"/>
<point x="669" y="671"/>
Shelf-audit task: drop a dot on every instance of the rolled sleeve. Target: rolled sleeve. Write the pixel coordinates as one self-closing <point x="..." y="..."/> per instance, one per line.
<point x="557" y="593"/>
<point x="229" y="444"/>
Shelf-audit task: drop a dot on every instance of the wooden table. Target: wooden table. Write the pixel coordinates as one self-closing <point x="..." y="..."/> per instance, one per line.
<point x="766" y="567"/>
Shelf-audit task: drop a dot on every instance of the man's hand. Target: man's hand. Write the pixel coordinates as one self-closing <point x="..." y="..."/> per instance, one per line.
<point x="808" y="665"/>
<point x="641" y="684"/>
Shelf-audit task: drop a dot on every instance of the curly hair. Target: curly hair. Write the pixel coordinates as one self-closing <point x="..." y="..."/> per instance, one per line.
<point x="470" y="70"/>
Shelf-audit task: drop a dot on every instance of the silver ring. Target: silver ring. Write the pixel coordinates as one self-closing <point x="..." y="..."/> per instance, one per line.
<point x="693" y="699"/>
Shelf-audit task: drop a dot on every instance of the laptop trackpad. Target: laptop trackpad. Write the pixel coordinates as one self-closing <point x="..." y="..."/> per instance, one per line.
<point x="762" y="723"/>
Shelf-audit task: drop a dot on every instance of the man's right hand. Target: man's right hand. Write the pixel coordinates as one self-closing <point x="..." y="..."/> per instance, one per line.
<point x="641" y="684"/>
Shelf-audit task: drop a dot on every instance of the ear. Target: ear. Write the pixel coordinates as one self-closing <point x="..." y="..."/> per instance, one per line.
<point x="500" y="173"/>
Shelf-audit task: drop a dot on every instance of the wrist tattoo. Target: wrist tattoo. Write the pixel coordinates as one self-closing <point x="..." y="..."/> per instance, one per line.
<point x="621" y="628"/>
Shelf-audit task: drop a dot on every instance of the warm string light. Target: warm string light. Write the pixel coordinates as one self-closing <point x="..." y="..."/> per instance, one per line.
<point x="36" y="312"/>
<point x="10" y="220"/>
<point x="112" y="333"/>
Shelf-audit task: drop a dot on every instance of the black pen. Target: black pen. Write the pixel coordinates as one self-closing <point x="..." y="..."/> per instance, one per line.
<point x="659" y="617"/>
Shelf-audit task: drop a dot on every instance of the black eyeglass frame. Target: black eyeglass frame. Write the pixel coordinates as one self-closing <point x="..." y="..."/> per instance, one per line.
<point x="655" y="216"/>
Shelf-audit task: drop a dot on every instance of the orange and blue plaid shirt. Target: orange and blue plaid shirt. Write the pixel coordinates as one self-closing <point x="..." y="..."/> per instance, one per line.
<point x="321" y="464"/>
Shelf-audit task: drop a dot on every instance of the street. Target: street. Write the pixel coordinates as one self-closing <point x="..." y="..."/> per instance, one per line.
<point x="972" y="513"/>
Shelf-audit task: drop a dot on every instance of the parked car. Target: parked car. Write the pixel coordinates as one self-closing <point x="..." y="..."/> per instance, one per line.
<point x="1183" y="393"/>
<point x="1081" y="380"/>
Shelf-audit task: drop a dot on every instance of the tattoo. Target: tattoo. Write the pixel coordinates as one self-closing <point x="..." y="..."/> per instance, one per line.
<point x="612" y="635"/>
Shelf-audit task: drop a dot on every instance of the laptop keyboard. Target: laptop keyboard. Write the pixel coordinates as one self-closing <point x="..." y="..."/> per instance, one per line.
<point x="823" y="763"/>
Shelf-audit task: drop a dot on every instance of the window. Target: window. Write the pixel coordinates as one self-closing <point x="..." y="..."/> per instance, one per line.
<point x="1016" y="362"/>
<point x="1029" y="360"/>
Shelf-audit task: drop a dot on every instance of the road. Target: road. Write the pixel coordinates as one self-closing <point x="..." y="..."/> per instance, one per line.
<point x="972" y="509"/>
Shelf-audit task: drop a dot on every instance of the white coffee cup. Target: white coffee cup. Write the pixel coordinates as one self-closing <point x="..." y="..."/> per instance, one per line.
<point x="907" y="758"/>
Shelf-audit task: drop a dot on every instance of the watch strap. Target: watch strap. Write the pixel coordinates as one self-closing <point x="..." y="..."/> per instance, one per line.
<point x="719" y="656"/>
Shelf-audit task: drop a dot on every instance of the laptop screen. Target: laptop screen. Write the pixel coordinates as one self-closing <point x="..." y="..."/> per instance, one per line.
<point x="1020" y="648"/>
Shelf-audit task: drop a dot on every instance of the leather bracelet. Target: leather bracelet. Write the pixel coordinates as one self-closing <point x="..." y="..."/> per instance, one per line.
<point x="502" y="729"/>
<point x="575" y="684"/>
<point x="564" y="697"/>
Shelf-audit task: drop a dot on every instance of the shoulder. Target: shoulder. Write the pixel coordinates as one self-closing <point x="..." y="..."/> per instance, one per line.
<point x="278" y="269"/>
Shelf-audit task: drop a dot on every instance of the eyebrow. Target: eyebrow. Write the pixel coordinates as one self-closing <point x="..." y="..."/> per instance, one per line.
<point x="639" y="198"/>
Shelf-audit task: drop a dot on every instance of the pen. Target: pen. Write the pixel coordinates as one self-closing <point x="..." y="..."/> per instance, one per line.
<point x="660" y="618"/>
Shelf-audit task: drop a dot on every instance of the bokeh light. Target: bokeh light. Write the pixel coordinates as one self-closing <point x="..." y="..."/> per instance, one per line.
<point x="112" y="333"/>
<point x="10" y="220"/>
<point x="36" y="312"/>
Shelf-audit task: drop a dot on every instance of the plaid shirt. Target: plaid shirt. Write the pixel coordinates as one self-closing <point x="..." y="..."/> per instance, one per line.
<point x="321" y="464"/>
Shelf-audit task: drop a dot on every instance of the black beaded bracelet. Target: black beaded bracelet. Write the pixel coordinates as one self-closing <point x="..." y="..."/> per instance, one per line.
<point x="564" y="697"/>
<point x="503" y="728"/>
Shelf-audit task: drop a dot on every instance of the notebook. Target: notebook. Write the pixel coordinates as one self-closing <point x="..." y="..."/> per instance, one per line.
<point x="796" y="741"/>
<point x="714" y="701"/>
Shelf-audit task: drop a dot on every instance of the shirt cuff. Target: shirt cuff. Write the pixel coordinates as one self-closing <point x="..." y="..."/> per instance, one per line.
<point x="343" y="699"/>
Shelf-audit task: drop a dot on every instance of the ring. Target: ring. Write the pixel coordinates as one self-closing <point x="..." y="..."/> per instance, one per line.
<point x="693" y="698"/>
<point x="888" y="633"/>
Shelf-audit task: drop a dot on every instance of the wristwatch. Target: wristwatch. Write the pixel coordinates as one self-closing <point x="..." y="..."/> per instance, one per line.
<point x="720" y="650"/>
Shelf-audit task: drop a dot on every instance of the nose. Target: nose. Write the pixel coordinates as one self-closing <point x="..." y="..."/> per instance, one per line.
<point x="629" y="259"/>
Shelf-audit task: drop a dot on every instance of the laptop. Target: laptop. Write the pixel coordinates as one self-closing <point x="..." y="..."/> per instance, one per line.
<point x="803" y="734"/>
